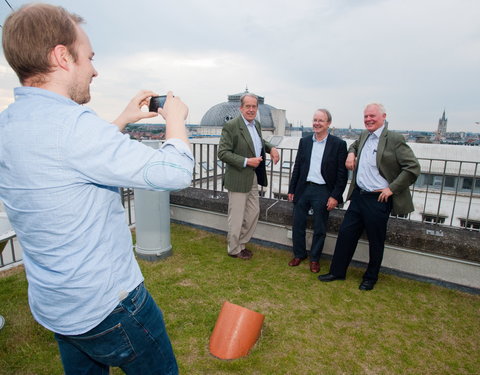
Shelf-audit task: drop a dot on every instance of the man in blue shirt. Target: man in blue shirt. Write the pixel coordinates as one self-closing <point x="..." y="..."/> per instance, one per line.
<point x="61" y="167"/>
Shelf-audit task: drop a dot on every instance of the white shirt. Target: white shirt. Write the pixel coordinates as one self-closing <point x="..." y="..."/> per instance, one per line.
<point x="368" y="176"/>
<point x="316" y="157"/>
<point x="257" y="141"/>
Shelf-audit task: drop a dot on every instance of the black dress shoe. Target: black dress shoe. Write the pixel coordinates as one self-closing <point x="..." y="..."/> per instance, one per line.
<point x="247" y="252"/>
<point x="367" y="285"/>
<point x="329" y="277"/>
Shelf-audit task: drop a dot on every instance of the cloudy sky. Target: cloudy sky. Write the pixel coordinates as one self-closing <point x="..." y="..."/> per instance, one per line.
<point x="417" y="57"/>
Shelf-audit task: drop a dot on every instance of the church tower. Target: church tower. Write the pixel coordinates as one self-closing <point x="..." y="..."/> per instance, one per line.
<point x="442" y="126"/>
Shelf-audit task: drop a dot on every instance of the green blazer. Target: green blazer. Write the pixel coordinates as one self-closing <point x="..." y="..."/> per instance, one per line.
<point x="396" y="163"/>
<point x="235" y="145"/>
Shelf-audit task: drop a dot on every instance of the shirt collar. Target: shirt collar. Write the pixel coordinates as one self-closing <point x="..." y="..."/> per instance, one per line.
<point x="379" y="131"/>
<point x="246" y="122"/>
<point x="24" y="91"/>
<point x="323" y="140"/>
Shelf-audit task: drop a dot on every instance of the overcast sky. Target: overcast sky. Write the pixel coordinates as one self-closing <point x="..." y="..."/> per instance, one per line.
<point x="417" y="57"/>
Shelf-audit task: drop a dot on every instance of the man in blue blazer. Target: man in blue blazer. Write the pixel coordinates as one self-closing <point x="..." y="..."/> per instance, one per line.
<point x="318" y="180"/>
<point x="384" y="167"/>
<point x="243" y="149"/>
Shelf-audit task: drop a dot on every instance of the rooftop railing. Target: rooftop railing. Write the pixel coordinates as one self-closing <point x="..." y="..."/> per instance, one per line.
<point x="8" y="253"/>
<point x="447" y="193"/>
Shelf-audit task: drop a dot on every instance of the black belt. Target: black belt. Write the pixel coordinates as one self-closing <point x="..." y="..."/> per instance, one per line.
<point x="366" y="192"/>
<point x="314" y="183"/>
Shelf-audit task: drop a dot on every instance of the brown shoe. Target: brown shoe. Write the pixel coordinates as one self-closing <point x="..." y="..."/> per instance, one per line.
<point x="242" y="255"/>
<point x="295" y="262"/>
<point x="315" y="267"/>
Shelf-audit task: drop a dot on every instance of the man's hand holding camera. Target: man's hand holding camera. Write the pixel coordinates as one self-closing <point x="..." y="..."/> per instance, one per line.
<point x="170" y="107"/>
<point x="133" y="111"/>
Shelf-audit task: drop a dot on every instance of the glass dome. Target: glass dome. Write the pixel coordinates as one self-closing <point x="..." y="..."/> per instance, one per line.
<point x="220" y="113"/>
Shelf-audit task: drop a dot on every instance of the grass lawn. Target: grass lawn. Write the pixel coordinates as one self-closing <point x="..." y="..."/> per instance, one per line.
<point x="401" y="327"/>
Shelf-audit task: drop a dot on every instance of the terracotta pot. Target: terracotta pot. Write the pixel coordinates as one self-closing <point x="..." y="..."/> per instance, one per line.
<point x="236" y="331"/>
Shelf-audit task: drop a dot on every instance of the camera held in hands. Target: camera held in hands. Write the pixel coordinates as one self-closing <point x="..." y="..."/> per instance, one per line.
<point x="156" y="102"/>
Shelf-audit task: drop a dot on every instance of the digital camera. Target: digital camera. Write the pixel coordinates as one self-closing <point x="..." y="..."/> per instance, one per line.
<point x="156" y="102"/>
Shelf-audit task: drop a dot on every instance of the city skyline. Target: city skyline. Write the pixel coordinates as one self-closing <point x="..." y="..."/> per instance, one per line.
<point x="417" y="58"/>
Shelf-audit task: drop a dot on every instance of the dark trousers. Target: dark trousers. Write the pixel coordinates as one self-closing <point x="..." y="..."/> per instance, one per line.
<point x="316" y="197"/>
<point x="364" y="212"/>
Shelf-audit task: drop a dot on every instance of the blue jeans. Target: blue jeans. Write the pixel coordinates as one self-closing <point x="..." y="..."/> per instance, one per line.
<point x="133" y="337"/>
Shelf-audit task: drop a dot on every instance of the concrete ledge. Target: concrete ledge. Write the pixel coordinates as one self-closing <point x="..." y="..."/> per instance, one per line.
<point x="429" y="251"/>
<point x="424" y="237"/>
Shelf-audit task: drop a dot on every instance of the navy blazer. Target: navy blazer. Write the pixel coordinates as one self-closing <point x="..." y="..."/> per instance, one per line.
<point x="333" y="168"/>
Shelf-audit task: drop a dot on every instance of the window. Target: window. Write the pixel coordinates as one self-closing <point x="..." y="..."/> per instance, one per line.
<point x="404" y="216"/>
<point x="287" y="165"/>
<point x="206" y="166"/>
<point x="437" y="181"/>
<point x="470" y="224"/>
<point x="432" y="180"/>
<point x="430" y="218"/>
<point x="467" y="183"/>
<point x="428" y="180"/>
<point x="450" y="182"/>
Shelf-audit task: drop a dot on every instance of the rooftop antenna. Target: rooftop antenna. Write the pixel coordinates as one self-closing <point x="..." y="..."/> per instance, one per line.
<point x="9" y="4"/>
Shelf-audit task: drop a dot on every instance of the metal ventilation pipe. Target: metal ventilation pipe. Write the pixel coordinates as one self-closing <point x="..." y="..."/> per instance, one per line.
<point x="152" y="221"/>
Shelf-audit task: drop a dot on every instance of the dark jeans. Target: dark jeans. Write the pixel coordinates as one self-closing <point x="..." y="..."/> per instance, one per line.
<point x="132" y="337"/>
<point x="316" y="197"/>
<point x="364" y="212"/>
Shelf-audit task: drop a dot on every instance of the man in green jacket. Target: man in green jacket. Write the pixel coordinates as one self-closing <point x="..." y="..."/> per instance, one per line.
<point x="384" y="167"/>
<point x="242" y="149"/>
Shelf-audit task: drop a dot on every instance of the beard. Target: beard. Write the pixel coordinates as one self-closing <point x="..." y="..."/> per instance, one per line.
<point x="80" y="95"/>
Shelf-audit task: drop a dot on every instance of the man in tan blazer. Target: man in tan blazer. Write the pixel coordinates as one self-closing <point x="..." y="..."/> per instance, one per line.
<point x="384" y="167"/>
<point x="242" y="149"/>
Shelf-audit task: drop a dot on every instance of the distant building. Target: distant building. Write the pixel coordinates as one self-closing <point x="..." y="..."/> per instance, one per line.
<point x="442" y="126"/>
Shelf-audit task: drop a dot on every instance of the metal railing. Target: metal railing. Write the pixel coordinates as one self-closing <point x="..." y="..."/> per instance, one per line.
<point x="446" y="193"/>
<point x="8" y="253"/>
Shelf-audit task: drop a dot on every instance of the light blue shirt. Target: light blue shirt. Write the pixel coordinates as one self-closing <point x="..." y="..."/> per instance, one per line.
<point x="316" y="157"/>
<point x="257" y="141"/>
<point x="368" y="176"/>
<point x="60" y="166"/>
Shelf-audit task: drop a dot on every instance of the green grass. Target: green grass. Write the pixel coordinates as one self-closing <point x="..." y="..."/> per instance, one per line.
<point x="401" y="327"/>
